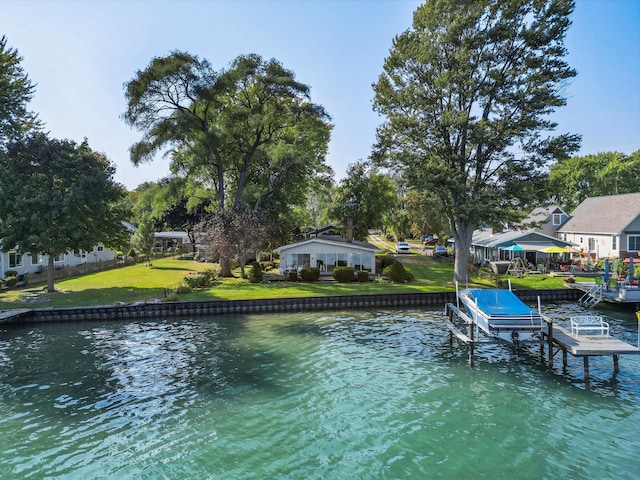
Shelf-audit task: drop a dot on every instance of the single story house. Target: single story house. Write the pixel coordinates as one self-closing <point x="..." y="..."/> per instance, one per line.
<point x="488" y="245"/>
<point x="23" y="263"/>
<point x="606" y="226"/>
<point x="327" y="252"/>
<point x="171" y="240"/>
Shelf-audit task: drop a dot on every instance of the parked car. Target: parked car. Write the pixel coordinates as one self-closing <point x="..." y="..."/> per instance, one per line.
<point x="440" y="251"/>
<point x="429" y="240"/>
<point x="403" y="247"/>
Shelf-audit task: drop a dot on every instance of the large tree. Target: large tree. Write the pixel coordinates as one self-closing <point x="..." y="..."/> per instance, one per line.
<point x="16" y="90"/>
<point x="576" y="178"/>
<point x="467" y="93"/>
<point x="58" y="196"/>
<point x="247" y="137"/>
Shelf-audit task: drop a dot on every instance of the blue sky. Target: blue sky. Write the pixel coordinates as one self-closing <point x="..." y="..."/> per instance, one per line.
<point x="80" y="53"/>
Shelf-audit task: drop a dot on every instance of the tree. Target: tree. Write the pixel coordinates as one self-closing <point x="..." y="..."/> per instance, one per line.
<point x="244" y="138"/>
<point x="365" y="196"/>
<point x="57" y="196"/>
<point x="16" y="90"/>
<point x="237" y="235"/>
<point x="466" y="94"/>
<point x="576" y="178"/>
<point x="144" y="240"/>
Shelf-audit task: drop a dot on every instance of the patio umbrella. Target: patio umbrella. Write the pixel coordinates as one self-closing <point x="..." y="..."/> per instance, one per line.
<point x="606" y="272"/>
<point x="514" y="248"/>
<point x="554" y="249"/>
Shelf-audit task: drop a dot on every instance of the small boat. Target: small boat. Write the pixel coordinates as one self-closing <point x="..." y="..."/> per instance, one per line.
<point x="501" y="313"/>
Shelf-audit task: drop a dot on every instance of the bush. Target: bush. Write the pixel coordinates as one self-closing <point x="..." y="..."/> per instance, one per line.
<point x="397" y="273"/>
<point x="255" y="273"/>
<point x="363" y="276"/>
<point x="11" y="281"/>
<point x="310" y="274"/>
<point x="172" y="297"/>
<point x="293" y="276"/>
<point x="343" y="274"/>
<point x="384" y="261"/>
<point x="11" y="273"/>
<point x="182" y="289"/>
<point x="194" y="281"/>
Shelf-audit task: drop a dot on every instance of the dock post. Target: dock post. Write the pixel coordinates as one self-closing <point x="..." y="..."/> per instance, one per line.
<point x="616" y="368"/>
<point x="564" y="359"/>
<point x="471" y="332"/>
<point x="585" y="360"/>
<point x="550" y="339"/>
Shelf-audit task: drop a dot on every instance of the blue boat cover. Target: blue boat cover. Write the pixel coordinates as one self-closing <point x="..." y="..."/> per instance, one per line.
<point x="500" y="303"/>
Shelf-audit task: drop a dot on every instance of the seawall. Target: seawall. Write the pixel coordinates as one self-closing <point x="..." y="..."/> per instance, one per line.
<point x="274" y="305"/>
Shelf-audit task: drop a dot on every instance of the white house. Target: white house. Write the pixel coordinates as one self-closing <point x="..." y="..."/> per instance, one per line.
<point x="606" y="226"/>
<point x="327" y="252"/>
<point x="35" y="263"/>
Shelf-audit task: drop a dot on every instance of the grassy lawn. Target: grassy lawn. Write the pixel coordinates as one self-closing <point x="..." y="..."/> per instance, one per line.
<point x="138" y="283"/>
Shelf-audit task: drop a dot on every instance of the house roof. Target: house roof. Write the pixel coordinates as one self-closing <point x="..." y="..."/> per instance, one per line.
<point x="532" y="239"/>
<point x="335" y="240"/>
<point x="542" y="214"/>
<point x="609" y="214"/>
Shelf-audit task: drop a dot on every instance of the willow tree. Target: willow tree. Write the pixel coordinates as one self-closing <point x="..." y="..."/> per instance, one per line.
<point x="244" y="138"/>
<point x="467" y="93"/>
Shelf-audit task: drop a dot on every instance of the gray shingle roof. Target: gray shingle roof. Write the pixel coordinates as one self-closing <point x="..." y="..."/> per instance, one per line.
<point x="604" y="215"/>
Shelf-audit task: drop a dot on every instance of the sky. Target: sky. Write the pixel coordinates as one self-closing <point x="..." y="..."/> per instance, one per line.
<point x="80" y="53"/>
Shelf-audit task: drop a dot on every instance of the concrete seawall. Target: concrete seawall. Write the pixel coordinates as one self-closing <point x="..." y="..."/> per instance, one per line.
<point x="275" y="305"/>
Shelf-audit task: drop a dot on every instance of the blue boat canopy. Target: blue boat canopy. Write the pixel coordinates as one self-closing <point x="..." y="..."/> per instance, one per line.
<point x="500" y="302"/>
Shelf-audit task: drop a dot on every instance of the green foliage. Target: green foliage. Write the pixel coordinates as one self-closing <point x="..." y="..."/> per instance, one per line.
<point x="310" y="274"/>
<point x="363" y="276"/>
<point x="11" y="281"/>
<point x="461" y="96"/>
<point x="343" y="274"/>
<point x="56" y="195"/>
<point x="131" y="253"/>
<point x="201" y="279"/>
<point x="16" y="90"/>
<point x="11" y="273"/>
<point x="255" y="273"/>
<point x="574" y="179"/>
<point x="365" y="196"/>
<point x="172" y="297"/>
<point x="383" y="261"/>
<point x="293" y="276"/>
<point x="144" y="239"/>
<point x="397" y="273"/>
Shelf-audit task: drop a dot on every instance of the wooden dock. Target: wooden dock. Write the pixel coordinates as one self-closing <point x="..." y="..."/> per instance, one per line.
<point x="557" y="338"/>
<point x="585" y="346"/>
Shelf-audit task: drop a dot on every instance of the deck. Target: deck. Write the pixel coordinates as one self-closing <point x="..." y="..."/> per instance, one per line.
<point x="618" y="295"/>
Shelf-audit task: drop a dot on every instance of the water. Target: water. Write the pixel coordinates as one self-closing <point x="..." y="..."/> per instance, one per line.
<point x="339" y="395"/>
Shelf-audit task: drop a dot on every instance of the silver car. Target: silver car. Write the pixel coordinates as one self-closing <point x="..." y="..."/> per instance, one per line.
<point x="403" y="247"/>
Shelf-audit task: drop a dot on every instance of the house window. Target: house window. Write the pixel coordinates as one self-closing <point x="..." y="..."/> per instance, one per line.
<point x="633" y="242"/>
<point x="100" y="248"/>
<point x="557" y="218"/>
<point x="15" y="260"/>
<point x="592" y="244"/>
<point x="59" y="257"/>
<point x="36" y="259"/>
<point x="614" y="242"/>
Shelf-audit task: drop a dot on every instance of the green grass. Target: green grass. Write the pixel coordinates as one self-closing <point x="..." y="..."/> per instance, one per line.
<point x="139" y="283"/>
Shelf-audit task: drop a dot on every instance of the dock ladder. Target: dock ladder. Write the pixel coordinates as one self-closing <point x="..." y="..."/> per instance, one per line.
<point x="592" y="296"/>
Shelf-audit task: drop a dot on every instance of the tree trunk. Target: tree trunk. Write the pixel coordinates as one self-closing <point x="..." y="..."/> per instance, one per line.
<point x="50" y="272"/>
<point x="462" y="236"/>
<point x="225" y="267"/>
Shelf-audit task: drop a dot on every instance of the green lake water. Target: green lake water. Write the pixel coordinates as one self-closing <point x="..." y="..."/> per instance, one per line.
<point x="333" y="395"/>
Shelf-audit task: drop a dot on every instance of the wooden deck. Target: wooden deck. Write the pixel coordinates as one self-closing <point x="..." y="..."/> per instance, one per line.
<point x="591" y="345"/>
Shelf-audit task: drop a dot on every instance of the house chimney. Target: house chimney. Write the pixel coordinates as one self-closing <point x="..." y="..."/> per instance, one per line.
<point x="349" y="229"/>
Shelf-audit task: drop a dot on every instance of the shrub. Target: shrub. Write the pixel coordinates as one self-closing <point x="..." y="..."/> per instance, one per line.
<point x="194" y="281"/>
<point x="172" y="297"/>
<point x="182" y="289"/>
<point x="384" y="261"/>
<point x="363" y="276"/>
<point x="11" y="273"/>
<point x="255" y="273"/>
<point x="343" y="274"/>
<point x="11" y="281"/>
<point x="397" y="273"/>
<point x="293" y="276"/>
<point x="310" y="274"/>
